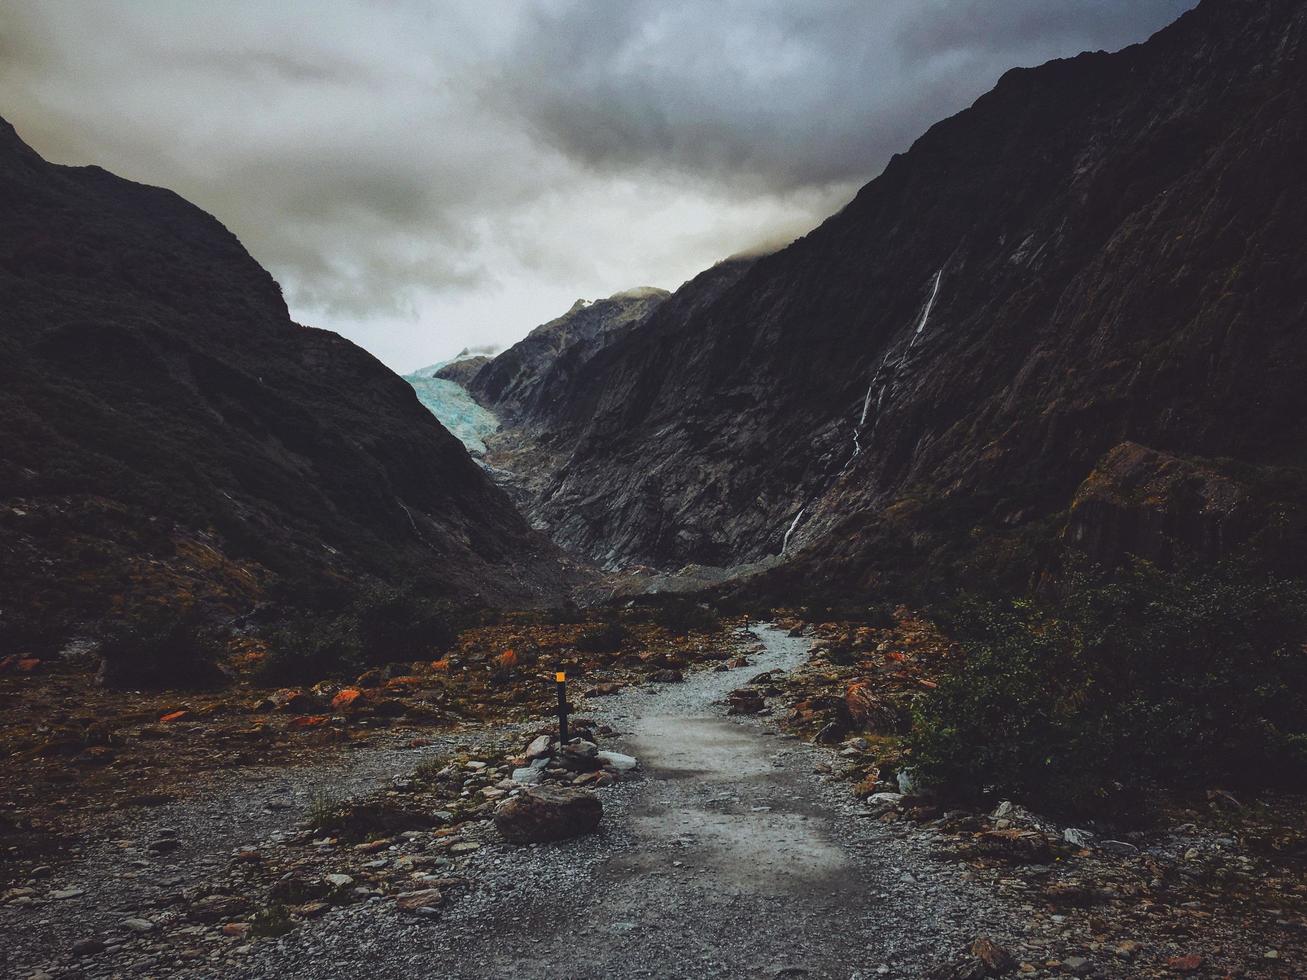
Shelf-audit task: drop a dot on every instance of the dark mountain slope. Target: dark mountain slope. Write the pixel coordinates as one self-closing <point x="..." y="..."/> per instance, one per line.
<point x="522" y="382"/>
<point x="1102" y="250"/>
<point x="155" y="398"/>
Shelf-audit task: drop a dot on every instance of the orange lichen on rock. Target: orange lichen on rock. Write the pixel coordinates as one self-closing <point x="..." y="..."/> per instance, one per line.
<point x="346" y="699"/>
<point x="308" y="721"/>
<point x="408" y="680"/>
<point x="174" y="716"/>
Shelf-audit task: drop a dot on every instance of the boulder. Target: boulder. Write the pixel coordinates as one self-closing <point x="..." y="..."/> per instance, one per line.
<point x="548" y="813"/>
<point x="541" y="746"/>
<point x="579" y="755"/>
<point x="867" y="711"/>
<point x="348" y="699"/>
<point x="419" y="901"/>
<point x="745" y="701"/>
<point x="616" y="760"/>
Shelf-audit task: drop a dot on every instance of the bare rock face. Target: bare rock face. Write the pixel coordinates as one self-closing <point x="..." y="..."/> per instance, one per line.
<point x="463" y="370"/>
<point x="548" y="813"/>
<point x="1096" y="252"/>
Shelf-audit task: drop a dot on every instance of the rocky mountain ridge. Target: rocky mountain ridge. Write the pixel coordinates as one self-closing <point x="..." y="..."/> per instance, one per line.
<point x="1101" y="252"/>
<point x="169" y="432"/>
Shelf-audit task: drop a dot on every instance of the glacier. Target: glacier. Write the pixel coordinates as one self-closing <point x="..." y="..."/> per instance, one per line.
<point x="454" y="407"/>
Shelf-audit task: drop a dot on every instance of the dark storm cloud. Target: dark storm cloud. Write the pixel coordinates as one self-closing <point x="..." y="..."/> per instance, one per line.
<point x="424" y="177"/>
<point x="793" y="94"/>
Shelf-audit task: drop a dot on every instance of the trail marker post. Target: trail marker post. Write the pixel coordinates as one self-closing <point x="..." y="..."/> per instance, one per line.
<point x="560" y="681"/>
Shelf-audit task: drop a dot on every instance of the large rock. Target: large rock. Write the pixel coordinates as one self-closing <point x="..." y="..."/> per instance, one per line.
<point x="868" y="712"/>
<point x="548" y="813"/>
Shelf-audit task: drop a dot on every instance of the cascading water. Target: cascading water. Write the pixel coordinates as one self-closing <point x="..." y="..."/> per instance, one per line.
<point x="880" y="399"/>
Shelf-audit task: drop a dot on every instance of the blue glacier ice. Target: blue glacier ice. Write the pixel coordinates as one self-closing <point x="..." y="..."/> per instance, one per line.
<point x="450" y="402"/>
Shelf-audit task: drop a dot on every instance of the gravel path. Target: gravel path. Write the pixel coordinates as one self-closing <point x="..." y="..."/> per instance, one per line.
<point x="731" y="857"/>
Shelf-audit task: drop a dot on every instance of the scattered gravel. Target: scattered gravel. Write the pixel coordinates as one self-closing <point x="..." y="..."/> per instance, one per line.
<point x="730" y="857"/>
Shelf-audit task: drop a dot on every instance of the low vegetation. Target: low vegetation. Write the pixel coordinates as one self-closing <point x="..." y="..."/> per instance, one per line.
<point x="379" y="626"/>
<point x="161" y="647"/>
<point x="1079" y="704"/>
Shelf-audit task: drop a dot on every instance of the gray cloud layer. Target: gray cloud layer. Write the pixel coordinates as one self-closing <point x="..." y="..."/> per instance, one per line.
<point x="424" y="177"/>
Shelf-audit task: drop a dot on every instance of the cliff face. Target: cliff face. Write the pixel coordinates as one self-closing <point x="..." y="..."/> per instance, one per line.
<point x="526" y="381"/>
<point x="1102" y="250"/>
<point x="157" y="403"/>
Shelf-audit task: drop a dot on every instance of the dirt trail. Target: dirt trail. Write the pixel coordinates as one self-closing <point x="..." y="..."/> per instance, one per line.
<point x="729" y="858"/>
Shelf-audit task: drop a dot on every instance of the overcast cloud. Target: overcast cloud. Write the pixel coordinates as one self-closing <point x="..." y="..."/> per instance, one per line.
<point x="422" y="176"/>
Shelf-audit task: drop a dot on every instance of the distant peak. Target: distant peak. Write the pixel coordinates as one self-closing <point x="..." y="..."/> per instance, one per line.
<point x="641" y="292"/>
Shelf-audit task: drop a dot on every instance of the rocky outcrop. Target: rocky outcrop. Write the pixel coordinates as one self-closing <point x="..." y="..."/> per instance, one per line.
<point x="1160" y="507"/>
<point x="1100" y="250"/>
<point x="165" y="428"/>
<point x="463" y="370"/>
<point x="526" y="381"/>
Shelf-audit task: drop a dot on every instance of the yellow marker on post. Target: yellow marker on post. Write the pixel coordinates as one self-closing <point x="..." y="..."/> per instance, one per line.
<point x="560" y="679"/>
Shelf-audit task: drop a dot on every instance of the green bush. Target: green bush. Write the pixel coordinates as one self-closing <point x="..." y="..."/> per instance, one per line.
<point x="160" y="647"/>
<point x="1079" y="704"/>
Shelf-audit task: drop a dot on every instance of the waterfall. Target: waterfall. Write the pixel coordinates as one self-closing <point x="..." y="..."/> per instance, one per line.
<point x="880" y="398"/>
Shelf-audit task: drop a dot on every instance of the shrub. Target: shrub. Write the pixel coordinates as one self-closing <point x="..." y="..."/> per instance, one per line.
<point x="602" y="638"/>
<point x="679" y="615"/>
<point x="1079" y="704"/>
<point x="160" y="647"/>
<point x="380" y="626"/>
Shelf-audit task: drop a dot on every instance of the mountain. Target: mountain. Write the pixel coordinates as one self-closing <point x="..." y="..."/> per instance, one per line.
<point x="1088" y="284"/>
<point x="523" y="381"/>
<point x="462" y="370"/>
<point x="166" y="429"/>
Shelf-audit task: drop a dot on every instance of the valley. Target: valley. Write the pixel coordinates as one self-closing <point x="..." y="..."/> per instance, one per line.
<point x="923" y="596"/>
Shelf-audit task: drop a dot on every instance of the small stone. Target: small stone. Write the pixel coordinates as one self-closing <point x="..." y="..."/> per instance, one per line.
<point x="88" y="947"/>
<point x="1190" y="963"/>
<point x="618" y="761"/>
<point x="1118" y="848"/>
<point x="528" y="776"/>
<point x="67" y="893"/>
<point x="338" y="880"/>
<point x="994" y="956"/>
<point x="236" y="930"/>
<point x="464" y="847"/>
<point x="1076" y="837"/>
<point x="138" y="925"/>
<point x="1078" y="965"/>
<point x="419" y="901"/>
<point x="541" y="746"/>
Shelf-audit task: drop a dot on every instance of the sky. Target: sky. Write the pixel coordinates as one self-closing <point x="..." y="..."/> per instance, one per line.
<point x="425" y="175"/>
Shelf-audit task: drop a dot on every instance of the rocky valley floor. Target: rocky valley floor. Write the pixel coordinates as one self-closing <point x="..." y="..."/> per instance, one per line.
<point x="735" y="849"/>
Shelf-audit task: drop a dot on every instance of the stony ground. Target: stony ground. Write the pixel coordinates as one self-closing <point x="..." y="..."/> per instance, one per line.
<point x="737" y="849"/>
<point x="729" y="858"/>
